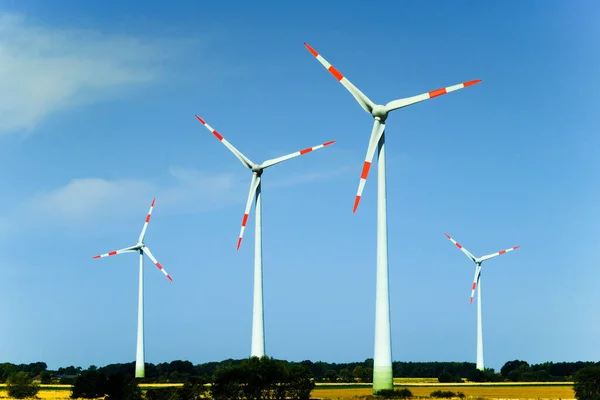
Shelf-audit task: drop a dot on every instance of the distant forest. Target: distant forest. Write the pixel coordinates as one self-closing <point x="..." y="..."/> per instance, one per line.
<point x="180" y="371"/>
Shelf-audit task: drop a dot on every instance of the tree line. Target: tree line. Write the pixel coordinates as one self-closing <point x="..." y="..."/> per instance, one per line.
<point x="179" y="371"/>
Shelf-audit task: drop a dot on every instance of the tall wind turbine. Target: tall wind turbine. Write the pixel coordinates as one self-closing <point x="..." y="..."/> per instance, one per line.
<point x="258" y="324"/>
<point x="141" y="248"/>
<point x="382" y="361"/>
<point x="477" y="284"/>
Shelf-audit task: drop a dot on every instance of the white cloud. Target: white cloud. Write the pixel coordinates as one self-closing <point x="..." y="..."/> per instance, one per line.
<point x="44" y="70"/>
<point x="92" y="201"/>
<point x="88" y="200"/>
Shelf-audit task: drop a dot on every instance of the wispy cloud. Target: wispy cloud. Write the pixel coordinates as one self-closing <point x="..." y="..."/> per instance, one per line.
<point x="94" y="201"/>
<point x="315" y="176"/>
<point x="44" y="70"/>
<point x="90" y="200"/>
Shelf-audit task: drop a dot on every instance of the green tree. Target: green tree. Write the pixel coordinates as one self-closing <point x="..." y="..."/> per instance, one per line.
<point x="346" y="375"/>
<point x="193" y="389"/>
<point x="331" y="375"/>
<point x="20" y="386"/>
<point x="510" y="366"/>
<point x="262" y="378"/>
<point x="587" y="383"/>
<point x="89" y="385"/>
<point x="122" y="387"/>
<point x="45" y="377"/>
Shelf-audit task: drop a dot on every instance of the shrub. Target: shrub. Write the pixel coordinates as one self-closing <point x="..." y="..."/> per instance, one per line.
<point x="162" y="394"/>
<point x="20" y="386"/>
<point x="122" y="387"/>
<point x="446" y="377"/>
<point x="447" y="394"/>
<point x="394" y="394"/>
<point x="89" y="385"/>
<point x="587" y="383"/>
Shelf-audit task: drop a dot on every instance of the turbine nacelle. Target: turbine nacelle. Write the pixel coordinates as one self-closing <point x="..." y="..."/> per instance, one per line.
<point x="140" y="246"/>
<point x="478" y="261"/>
<point x="379" y="112"/>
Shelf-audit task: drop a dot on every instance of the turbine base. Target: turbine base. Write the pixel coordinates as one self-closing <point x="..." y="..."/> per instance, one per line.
<point x="382" y="378"/>
<point x="139" y="371"/>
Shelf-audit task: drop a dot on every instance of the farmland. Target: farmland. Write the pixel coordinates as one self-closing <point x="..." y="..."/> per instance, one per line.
<point x="420" y="387"/>
<point x="543" y="390"/>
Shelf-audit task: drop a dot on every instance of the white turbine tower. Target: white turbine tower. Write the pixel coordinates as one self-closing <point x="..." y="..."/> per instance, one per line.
<point x="258" y="325"/>
<point x="382" y="361"/>
<point x="141" y="248"/>
<point x="477" y="285"/>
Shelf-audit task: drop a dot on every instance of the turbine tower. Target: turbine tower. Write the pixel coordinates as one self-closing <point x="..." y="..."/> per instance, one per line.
<point x="382" y="361"/>
<point x="141" y="248"/>
<point x="477" y="285"/>
<point x="258" y="324"/>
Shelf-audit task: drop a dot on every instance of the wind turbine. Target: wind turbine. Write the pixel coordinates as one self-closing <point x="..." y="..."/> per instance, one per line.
<point x="477" y="284"/>
<point x="141" y="248"/>
<point x="382" y="361"/>
<point x="258" y="324"/>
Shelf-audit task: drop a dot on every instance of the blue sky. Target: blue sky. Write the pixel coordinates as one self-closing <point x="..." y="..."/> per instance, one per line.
<point x="98" y="118"/>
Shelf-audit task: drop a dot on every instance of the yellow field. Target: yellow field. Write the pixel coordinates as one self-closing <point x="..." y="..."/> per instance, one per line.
<point x="496" y="391"/>
<point x="471" y="390"/>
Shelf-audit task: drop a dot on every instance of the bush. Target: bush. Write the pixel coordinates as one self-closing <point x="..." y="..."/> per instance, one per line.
<point x="262" y="378"/>
<point x="20" y="386"/>
<point x="447" y="394"/>
<point x="92" y="384"/>
<point x="122" y="387"/>
<point x="394" y="394"/>
<point x="446" y="377"/>
<point x="162" y="394"/>
<point x="587" y="383"/>
<point x="89" y="385"/>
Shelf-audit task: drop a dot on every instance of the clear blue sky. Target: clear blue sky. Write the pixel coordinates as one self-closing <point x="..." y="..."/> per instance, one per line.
<point x="97" y="118"/>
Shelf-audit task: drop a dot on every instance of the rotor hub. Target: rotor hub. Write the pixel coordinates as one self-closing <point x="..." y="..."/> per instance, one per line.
<point x="379" y="112"/>
<point x="257" y="169"/>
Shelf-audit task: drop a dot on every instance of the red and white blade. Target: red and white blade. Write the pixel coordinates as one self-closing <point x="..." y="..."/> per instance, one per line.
<point x="376" y="133"/>
<point x="277" y="160"/>
<point x="360" y="97"/>
<point x="400" y="103"/>
<point x="243" y="159"/>
<point x="254" y="183"/>
<point x="160" y="267"/>
<point x="114" y="253"/>
<point x="498" y="253"/>
<point x="475" y="282"/>
<point x="467" y="253"/>
<point x="143" y="233"/>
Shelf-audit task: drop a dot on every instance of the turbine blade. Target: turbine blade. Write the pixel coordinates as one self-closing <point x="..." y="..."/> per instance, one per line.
<point x="475" y="281"/>
<point x="253" y="186"/>
<point x="149" y="254"/>
<point x="143" y="233"/>
<point x="471" y="256"/>
<point x="244" y="160"/>
<point x="378" y="128"/>
<point x="114" y="253"/>
<point x="498" y="253"/>
<point x="400" y="103"/>
<point x="360" y="97"/>
<point x="277" y="160"/>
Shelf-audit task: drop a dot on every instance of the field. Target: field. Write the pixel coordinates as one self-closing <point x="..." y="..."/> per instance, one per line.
<point x="562" y="390"/>
<point x="419" y="387"/>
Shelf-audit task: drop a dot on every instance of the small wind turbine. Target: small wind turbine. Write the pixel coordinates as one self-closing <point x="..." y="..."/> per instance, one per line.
<point x="477" y="285"/>
<point x="141" y="248"/>
<point x="382" y="360"/>
<point x="258" y="325"/>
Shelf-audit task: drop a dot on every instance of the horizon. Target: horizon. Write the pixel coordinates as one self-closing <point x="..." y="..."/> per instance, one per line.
<point x="99" y="119"/>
